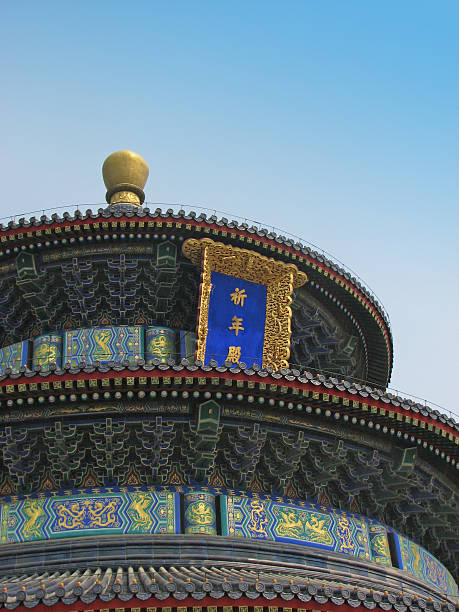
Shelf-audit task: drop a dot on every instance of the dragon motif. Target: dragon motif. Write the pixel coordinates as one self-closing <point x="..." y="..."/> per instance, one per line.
<point x="344" y="533"/>
<point x="294" y="524"/>
<point x="379" y="545"/>
<point x="102" y="515"/>
<point x="161" y="346"/>
<point x="86" y="514"/>
<point x="289" y="524"/>
<point x="258" y="519"/>
<point x="200" y="513"/>
<point x="70" y="517"/>
<point x="317" y="530"/>
<point x="46" y="353"/>
<point x="435" y="572"/>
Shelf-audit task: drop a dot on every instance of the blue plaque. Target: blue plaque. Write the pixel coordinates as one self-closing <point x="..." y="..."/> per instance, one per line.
<point x="244" y="304"/>
<point x="236" y="322"/>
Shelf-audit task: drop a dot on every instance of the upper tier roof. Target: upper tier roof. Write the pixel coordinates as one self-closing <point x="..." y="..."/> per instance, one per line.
<point x="338" y="291"/>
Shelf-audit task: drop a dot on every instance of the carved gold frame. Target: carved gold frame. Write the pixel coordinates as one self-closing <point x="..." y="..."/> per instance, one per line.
<point x="280" y="279"/>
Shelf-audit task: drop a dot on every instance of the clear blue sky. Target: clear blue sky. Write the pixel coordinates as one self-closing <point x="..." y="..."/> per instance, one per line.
<point x="335" y="120"/>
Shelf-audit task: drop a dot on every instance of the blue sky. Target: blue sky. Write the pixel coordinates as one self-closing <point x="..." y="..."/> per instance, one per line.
<point x="334" y="120"/>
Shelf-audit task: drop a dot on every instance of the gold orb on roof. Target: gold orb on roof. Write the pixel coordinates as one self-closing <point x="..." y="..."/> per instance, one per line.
<point x="125" y="174"/>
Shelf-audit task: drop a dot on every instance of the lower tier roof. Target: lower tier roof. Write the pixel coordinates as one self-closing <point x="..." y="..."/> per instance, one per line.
<point x="216" y="585"/>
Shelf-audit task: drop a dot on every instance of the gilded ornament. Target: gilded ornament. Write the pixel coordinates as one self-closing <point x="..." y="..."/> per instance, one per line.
<point x="317" y="529"/>
<point x="35" y="517"/>
<point x="160" y="346"/>
<point x="289" y="524"/>
<point x="102" y="339"/>
<point x="46" y="353"/>
<point x="379" y="546"/>
<point x="87" y="514"/>
<point x="258" y="519"/>
<point x="200" y="513"/>
<point x="343" y="531"/>
<point x="141" y="519"/>
<point x="302" y="525"/>
<point x="279" y="278"/>
<point x="125" y="174"/>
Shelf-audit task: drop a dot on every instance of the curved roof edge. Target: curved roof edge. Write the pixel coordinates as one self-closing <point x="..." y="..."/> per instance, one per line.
<point x="291" y="379"/>
<point x="316" y="263"/>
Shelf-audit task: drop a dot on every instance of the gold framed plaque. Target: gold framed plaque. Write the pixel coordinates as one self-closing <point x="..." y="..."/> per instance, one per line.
<point x="279" y="279"/>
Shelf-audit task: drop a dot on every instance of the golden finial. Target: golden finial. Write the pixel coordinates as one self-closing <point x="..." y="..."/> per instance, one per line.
<point x="125" y="174"/>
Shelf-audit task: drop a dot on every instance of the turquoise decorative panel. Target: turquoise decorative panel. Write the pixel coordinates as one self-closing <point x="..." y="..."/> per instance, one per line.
<point x="143" y="510"/>
<point x="310" y="525"/>
<point x="14" y="356"/>
<point x="187" y="344"/>
<point x="159" y="344"/>
<point x="416" y="560"/>
<point x="47" y="518"/>
<point x="47" y="350"/>
<point x="379" y="544"/>
<point x="200" y="513"/>
<point x="103" y="344"/>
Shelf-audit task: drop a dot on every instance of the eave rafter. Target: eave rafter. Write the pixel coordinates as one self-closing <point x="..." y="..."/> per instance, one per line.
<point x="320" y="396"/>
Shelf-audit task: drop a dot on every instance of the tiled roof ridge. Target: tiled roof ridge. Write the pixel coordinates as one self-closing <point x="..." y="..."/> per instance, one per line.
<point x="143" y="584"/>
<point x="214" y="582"/>
<point x="287" y="375"/>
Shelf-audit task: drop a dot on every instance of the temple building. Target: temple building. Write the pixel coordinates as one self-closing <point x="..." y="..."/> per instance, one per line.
<point x="194" y="417"/>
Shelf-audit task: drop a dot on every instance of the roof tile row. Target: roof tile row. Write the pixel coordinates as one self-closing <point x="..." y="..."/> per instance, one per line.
<point x="199" y="582"/>
<point x="290" y="375"/>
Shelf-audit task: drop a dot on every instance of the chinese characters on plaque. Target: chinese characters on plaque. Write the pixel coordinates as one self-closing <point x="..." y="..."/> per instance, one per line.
<point x="244" y="304"/>
<point x="236" y="323"/>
